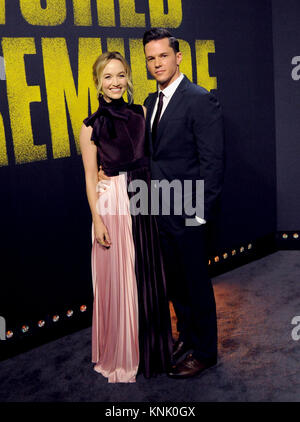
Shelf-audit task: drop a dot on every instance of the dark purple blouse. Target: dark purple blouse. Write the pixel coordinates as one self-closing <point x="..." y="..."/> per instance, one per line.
<point x="119" y="134"/>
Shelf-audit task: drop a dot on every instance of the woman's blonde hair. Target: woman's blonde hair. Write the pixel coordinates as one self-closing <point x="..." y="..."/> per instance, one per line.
<point x="100" y="64"/>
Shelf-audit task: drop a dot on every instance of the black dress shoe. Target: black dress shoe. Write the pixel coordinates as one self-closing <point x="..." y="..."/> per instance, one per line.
<point x="179" y="349"/>
<point x="189" y="367"/>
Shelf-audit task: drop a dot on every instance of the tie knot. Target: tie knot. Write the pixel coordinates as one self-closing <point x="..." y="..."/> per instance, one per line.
<point x="161" y="95"/>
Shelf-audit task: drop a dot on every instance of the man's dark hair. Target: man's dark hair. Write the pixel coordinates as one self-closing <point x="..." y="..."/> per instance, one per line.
<point x="158" y="34"/>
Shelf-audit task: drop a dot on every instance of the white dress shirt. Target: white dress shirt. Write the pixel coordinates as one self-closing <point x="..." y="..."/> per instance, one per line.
<point x="168" y="92"/>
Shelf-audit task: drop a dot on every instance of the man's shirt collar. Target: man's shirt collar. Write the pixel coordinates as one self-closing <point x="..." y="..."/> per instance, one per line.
<point x="169" y="90"/>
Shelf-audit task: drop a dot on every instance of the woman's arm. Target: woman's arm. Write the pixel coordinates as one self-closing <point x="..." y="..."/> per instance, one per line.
<point x="145" y="111"/>
<point x="89" y="158"/>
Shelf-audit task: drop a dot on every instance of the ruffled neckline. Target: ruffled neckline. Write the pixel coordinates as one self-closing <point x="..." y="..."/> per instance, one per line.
<point x="107" y="112"/>
<point x="114" y="103"/>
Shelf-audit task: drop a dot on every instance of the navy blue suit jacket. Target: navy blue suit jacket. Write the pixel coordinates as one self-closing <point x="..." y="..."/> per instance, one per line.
<point x="189" y="143"/>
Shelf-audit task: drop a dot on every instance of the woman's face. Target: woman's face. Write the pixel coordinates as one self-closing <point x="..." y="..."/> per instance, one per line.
<point x="114" y="80"/>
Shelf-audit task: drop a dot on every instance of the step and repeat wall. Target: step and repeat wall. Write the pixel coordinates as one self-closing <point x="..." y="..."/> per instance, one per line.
<point x="286" y="35"/>
<point x="47" y="49"/>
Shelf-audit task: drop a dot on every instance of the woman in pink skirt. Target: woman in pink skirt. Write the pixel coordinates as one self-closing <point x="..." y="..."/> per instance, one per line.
<point x="131" y="330"/>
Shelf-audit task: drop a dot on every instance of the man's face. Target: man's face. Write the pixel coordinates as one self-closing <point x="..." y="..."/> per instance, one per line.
<point x="162" y="62"/>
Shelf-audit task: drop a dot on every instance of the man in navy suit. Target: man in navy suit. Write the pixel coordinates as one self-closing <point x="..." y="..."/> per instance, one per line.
<point x="184" y="131"/>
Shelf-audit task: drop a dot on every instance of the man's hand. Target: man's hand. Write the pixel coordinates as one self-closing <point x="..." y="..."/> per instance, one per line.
<point x="103" y="181"/>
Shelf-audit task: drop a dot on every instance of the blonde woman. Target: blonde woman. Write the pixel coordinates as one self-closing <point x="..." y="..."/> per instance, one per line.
<point x="131" y="329"/>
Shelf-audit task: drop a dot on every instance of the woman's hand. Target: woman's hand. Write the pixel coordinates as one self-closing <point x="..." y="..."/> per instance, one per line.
<point x="101" y="234"/>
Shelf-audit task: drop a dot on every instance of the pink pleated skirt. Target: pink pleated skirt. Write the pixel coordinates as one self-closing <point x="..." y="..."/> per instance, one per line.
<point x="115" y="343"/>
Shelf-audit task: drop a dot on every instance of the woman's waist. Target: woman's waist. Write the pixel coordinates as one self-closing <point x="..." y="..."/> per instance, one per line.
<point x="114" y="170"/>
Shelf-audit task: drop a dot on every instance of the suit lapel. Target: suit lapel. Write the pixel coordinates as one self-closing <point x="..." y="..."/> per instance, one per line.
<point x="171" y="109"/>
<point x="148" y="120"/>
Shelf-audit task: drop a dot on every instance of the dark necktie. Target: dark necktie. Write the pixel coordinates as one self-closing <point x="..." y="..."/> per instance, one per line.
<point x="157" y="116"/>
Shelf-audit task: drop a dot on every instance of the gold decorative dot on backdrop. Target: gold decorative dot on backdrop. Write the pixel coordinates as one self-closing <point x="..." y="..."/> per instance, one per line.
<point x="9" y="334"/>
